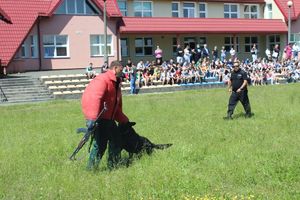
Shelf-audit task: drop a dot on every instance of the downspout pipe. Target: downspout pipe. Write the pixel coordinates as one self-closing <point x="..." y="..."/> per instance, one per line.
<point x="39" y="43"/>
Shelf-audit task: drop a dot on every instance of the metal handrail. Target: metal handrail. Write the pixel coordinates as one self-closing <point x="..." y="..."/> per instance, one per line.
<point x="2" y="95"/>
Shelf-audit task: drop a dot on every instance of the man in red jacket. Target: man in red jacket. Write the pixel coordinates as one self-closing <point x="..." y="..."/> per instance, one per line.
<point x="104" y="88"/>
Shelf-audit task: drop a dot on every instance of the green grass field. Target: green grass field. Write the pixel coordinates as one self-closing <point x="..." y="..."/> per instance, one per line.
<point x="257" y="158"/>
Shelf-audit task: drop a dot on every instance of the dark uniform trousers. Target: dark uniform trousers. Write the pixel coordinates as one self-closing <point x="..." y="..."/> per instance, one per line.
<point x="243" y="98"/>
<point x="106" y="133"/>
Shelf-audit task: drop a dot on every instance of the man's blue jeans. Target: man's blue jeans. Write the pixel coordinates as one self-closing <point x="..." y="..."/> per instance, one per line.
<point x="132" y="86"/>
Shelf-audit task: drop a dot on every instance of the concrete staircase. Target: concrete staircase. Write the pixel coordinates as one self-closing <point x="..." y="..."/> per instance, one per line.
<point x="21" y="89"/>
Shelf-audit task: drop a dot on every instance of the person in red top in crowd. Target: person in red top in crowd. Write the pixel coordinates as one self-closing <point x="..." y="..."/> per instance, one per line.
<point x="288" y="51"/>
<point x="158" y="55"/>
<point x="104" y="89"/>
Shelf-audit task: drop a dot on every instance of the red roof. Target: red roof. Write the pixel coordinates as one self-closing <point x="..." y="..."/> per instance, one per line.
<point x="111" y="7"/>
<point x="201" y="25"/>
<point x="4" y="16"/>
<point x="24" y="14"/>
<point x="236" y="1"/>
<point x="295" y="9"/>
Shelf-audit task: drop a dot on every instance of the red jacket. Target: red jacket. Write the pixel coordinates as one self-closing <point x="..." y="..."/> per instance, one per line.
<point x="103" y="89"/>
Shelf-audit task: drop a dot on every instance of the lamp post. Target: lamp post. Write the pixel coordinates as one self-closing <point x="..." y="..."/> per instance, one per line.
<point x="289" y="4"/>
<point x="105" y="33"/>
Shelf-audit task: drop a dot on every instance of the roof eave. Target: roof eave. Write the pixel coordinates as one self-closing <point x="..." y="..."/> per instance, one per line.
<point x="200" y="32"/>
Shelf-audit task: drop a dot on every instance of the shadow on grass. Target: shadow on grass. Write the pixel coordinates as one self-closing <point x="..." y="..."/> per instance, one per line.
<point x="242" y="115"/>
<point x="239" y="115"/>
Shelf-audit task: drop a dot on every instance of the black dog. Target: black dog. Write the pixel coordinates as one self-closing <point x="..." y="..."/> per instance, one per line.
<point x="133" y="143"/>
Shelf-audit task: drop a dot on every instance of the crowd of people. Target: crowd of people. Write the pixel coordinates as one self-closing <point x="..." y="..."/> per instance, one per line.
<point x="199" y="64"/>
<point x="102" y="98"/>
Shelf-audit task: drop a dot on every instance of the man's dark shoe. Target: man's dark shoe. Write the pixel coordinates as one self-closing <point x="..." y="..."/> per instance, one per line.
<point x="249" y="115"/>
<point x="229" y="117"/>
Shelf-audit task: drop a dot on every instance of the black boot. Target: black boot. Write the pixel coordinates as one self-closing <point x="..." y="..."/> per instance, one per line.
<point x="249" y="115"/>
<point x="228" y="117"/>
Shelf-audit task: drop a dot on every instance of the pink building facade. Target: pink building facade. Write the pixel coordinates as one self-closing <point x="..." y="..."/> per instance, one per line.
<point x="57" y="34"/>
<point x="76" y="41"/>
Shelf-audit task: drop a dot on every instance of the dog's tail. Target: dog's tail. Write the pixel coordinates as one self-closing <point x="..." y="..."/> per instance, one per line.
<point x="162" y="146"/>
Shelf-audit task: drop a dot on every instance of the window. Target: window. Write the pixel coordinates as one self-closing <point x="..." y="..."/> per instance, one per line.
<point x="142" y="8"/>
<point x="249" y="41"/>
<point x="143" y="46"/>
<point x="174" y="46"/>
<point x="79" y="6"/>
<point x="229" y="42"/>
<point x="191" y="41"/>
<point x="231" y="11"/>
<point x="55" y="46"/>
<point x="251" y="11"/>
<point x="124" y="47"/>
<point x="33" y="46"/>
<point x="189" y="10"/>
<point x="202" y="41"/>
<point x="202" y="10"/>
<point x="29" y="48"/>
<point x="98" y="46"/>
<point x="24" y="51"/>
<point x="295" y="37"/>
<point x="175" y="9"/>
<point x="73" y="7"/>
<point x="123" y="7"/>
<point x="273" y="39"/>
<point x="268" y="11"/>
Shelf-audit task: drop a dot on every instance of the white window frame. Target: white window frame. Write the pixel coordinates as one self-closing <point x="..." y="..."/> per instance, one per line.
<point x="178" y="11"/>
<point x="202" y="12"/>
<point x="123" y="11"/>
<point x="66" y="12"/>
<point x="249" y="13"/>
<point x="100" y="45"/>
<point x="251" y="42"/>
<point x="55" y="46"/>
<point x="231" y="44"/>
<point x="188" y="8"/>
<point x="126" y="47"/>
<point x="143" y="46"/>
<point x="143" y="11"/>
<point x="33" y="46"/>
<point x="268" y="12"/>
<point x="230" y="12"/>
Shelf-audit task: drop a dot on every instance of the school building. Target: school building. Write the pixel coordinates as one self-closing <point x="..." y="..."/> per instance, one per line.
<point x="69" y="34"/>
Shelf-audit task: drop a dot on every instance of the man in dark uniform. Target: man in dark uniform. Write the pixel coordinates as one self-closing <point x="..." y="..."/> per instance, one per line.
<point x="238" y="88"/>
<point x="104" y="89"/>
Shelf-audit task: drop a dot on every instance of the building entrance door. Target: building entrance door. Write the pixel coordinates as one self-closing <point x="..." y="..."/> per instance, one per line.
<point x="191" y="41"/>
